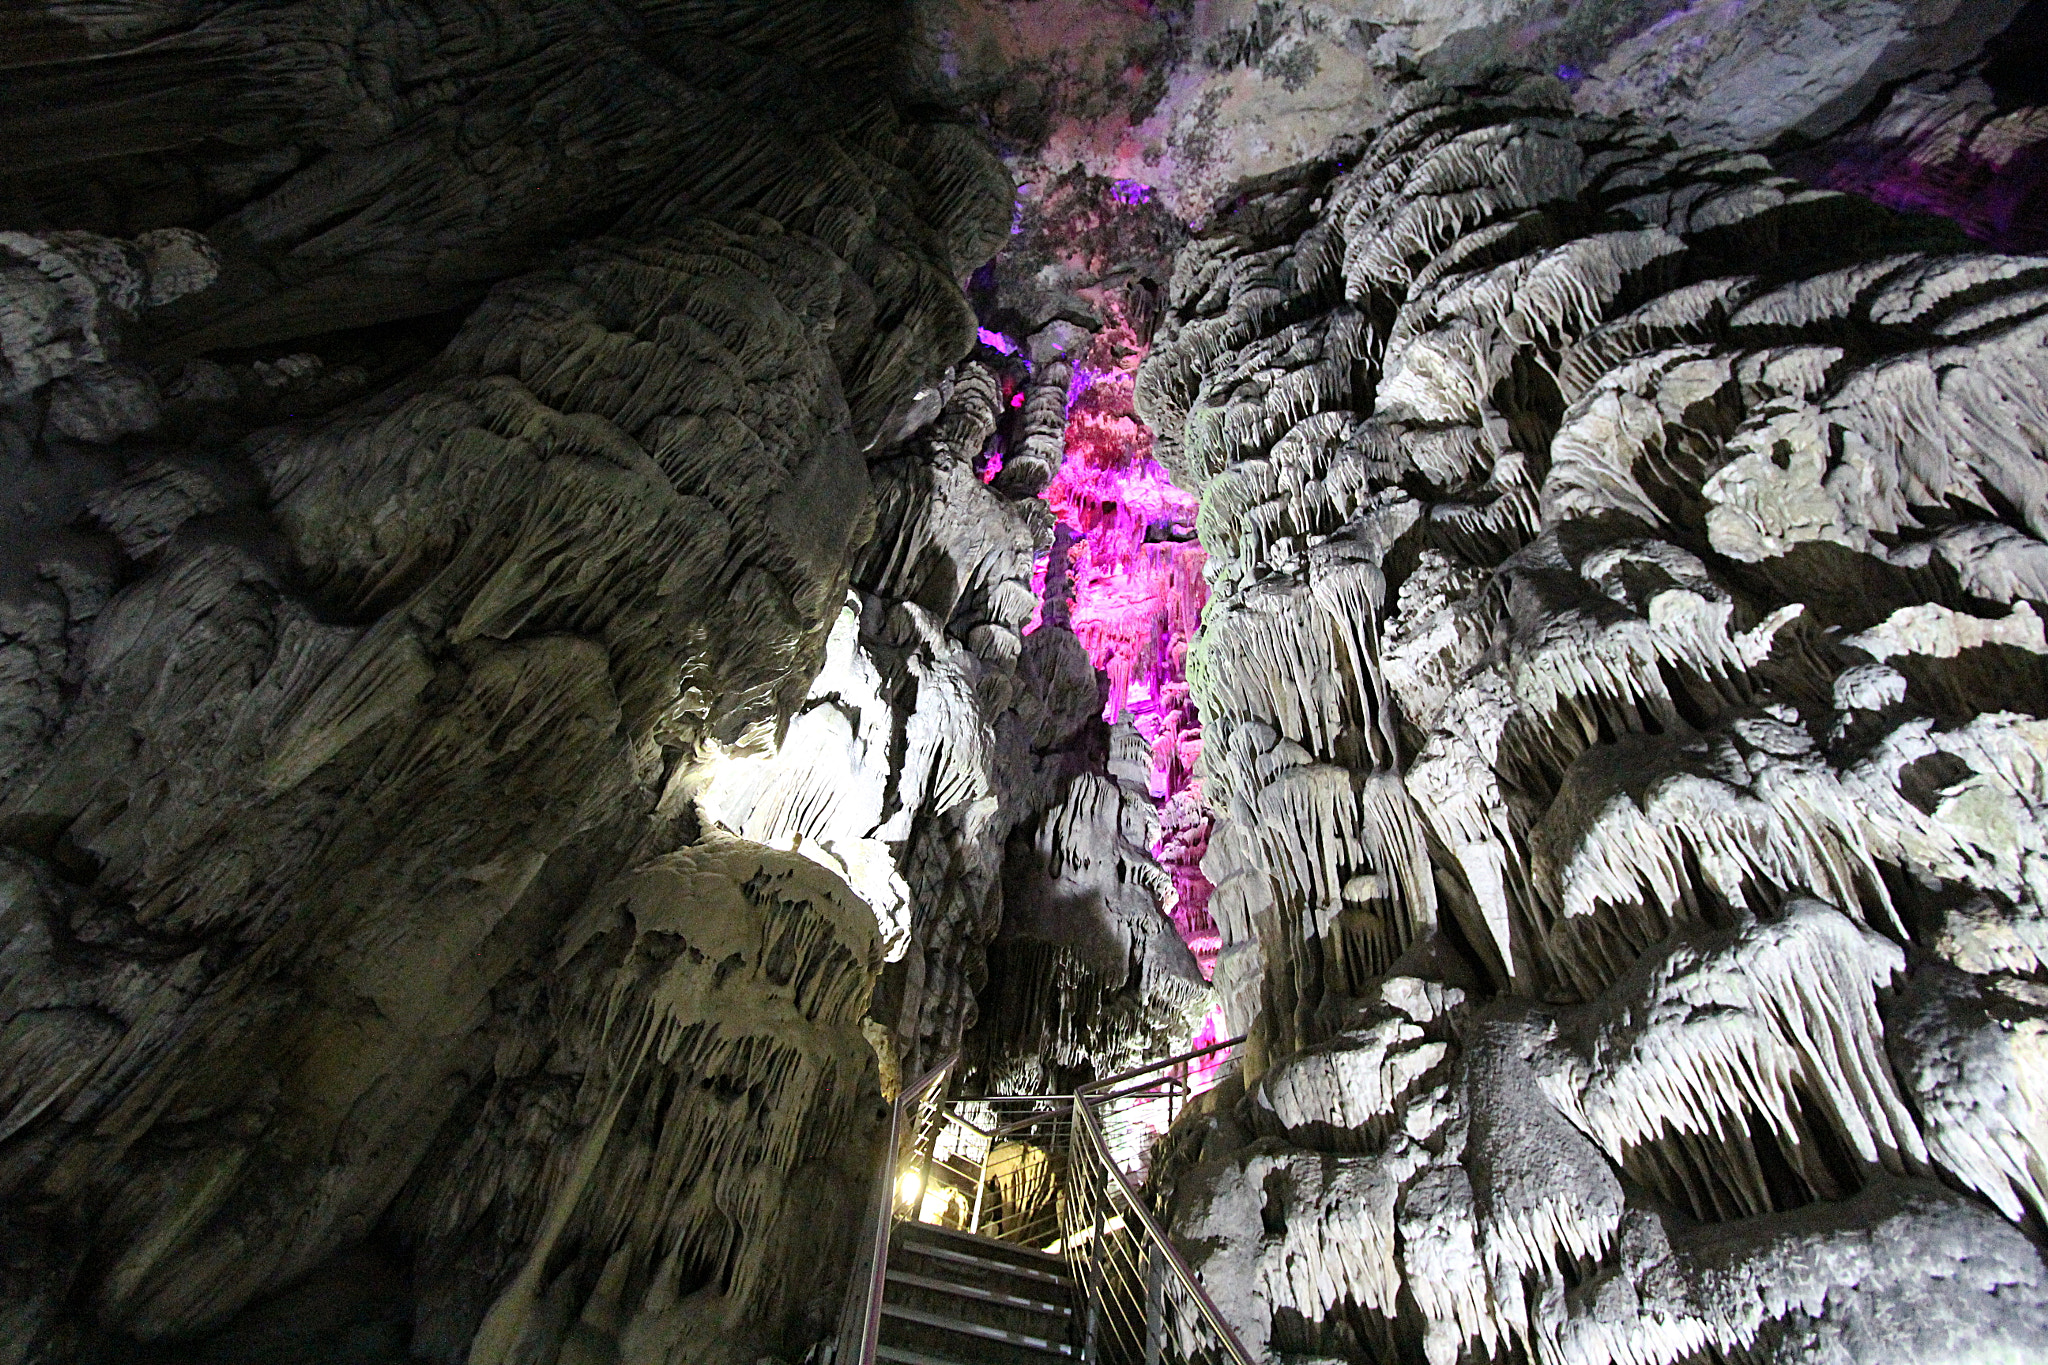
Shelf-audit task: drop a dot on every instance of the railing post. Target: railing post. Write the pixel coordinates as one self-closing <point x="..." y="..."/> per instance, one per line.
<point x="980" y="1186"/>
<point x="861" y="1329"/>
<point x="1090" y="1346"/>
<point x="927" y="1147"/>
<point x="1159" y="1332"/>
<point x="1155" y="1306"/>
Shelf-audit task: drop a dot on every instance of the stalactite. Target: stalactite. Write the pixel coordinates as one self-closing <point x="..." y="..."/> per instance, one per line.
<point x="1595" y="654"/>
<point x="350" y="675"/>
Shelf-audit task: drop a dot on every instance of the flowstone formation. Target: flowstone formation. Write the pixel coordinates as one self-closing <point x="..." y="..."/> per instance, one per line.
<point x="1138" y="591"/>
<point x="1952" y="144"/>
<point x="1622" y="687"/>
<point x="386" y="880"/>
<point x="1106" y="946"/>
<point x="1089" y="972"/>
<point x="1190" y="96"/>
<point x="583" y="594"/>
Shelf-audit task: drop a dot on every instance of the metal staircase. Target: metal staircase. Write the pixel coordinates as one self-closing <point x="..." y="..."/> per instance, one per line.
<point x="953" y="1298"/>
<point x="1011" y="1230"/>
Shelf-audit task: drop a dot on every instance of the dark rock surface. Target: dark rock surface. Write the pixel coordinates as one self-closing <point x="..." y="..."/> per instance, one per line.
<point x="518" y="728"/>
<point x="354" y="883"/>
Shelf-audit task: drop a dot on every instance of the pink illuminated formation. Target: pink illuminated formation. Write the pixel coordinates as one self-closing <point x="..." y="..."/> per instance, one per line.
<point x="1138" y="593"/>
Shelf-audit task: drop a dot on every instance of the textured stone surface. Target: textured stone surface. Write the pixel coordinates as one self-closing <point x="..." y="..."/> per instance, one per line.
<point x="358" y="711"/>
<point x="517" y="678"/>
<point x="1621" y="690"/>
<point x="1774" y="67"/>
<point x="1190" y="96"/>
<point x="1953" y="144"/>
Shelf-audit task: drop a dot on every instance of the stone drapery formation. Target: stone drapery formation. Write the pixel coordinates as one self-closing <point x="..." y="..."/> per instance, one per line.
<point x="1139" y="589"/>
<point x="1091" y="975"/>
<point x="1086" y="976"/>
<point x="1190" y="96"/>
<point x="1088" y="971"/>
<point x="357" y="882"/>
<point x="1953" y="144"/>
<point x="1622" y="685"/>
<point x="542" y="670"/>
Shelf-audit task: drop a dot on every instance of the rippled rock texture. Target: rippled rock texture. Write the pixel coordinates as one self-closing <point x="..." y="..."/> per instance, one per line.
<point x="1970" y="146"/>
<point x="1623" y="686"/>
<point x="1189" y="96"/>
<point x="520" y="726"/>
<point x="385" y="860"/>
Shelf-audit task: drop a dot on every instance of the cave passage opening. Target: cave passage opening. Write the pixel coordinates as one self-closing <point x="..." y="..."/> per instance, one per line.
<point x="1133" y="592"/>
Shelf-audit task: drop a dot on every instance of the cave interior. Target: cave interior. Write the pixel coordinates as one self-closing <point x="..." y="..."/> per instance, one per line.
<point x="614" y="612"/>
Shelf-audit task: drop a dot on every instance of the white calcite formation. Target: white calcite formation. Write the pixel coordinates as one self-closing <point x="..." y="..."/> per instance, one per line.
<point x="518" y="728"/>
<point x="396" y="849"/>
<point x="1623" y="686"/>
<point x="1190" y="97"/>
<point x="1088" y="976"/>
<point x="957" y="773"/>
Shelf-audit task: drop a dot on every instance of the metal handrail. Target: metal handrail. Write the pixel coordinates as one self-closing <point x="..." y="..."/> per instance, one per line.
<point x="1159" y="1247"/>
<point x="870" y="1330"/>
<point x="1058" y="1110"/>
<point x="1182" y="1060"/>
<point x="1108" y="1232"/>
<point x="1055" y="1105"/>
<point x="1153" y="1081"/>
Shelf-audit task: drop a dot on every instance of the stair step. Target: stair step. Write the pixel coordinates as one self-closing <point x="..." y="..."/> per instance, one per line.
<point x="990" y="1313"/>
<point x="945" y="1260"/>
<point x="934" y="1230"/>
<point x="1019" y="1340"/>
<point x="987" y="1248"/>
<point x="904" y="1355"/>
<point x="971" y="1291"/>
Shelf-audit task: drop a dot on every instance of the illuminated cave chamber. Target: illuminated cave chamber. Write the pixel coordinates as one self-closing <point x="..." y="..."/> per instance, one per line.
<point x="1135" y="576"/>
<point x="1088" y="980"/>
<point x="588" y="591"/>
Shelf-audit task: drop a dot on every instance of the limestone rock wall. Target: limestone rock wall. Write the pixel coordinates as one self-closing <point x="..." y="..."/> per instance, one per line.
<point x="382" y="863"/>
<point x="1019" y="825"/>
<point x="1622" y="687"/>
<point x="1971" y="146"/>
<point x="515" y="692"/>
<point x="1089" y="976"/>
<point x="1190" y="96"/>
<point x="360" y="162"/>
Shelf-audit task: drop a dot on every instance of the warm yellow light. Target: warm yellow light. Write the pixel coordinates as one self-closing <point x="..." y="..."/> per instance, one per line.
<point x="908" y="1186"/>
<point x="942" y="1206"/>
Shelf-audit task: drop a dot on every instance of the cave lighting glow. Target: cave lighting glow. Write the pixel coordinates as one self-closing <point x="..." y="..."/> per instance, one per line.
<point x="1138" y="593"/>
